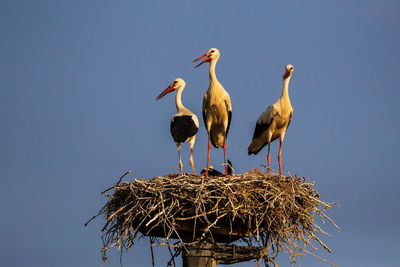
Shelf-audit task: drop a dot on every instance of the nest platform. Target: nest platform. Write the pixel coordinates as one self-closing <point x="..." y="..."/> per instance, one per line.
<point x="274" y="212"/>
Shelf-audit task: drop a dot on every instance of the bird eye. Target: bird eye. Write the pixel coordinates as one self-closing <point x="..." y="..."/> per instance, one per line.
<point x="212" y="51"/>
<point x="175" y="82"/>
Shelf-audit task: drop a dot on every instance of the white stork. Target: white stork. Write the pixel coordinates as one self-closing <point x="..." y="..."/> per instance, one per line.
<point x="274" y="121"/>
<point x="184" y="124"/>
<point x="217" y="109"/>
<point x="214" y="172"/>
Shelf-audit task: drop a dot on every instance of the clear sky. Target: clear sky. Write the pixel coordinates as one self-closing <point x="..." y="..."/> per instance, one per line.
<point x="78" y="81"/>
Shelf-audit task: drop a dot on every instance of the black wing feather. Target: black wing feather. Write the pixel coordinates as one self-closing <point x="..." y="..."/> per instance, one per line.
<point x="183" y="127"/>
<point x="260" y="128"/>
<point x="290" y="119"/>
<point x="229" y="122"/>
<point x="204" y="119"/>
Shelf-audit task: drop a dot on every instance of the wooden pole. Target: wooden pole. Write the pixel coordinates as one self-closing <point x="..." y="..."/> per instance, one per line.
<point x="200" y="255"/>
<point x="206" y="254"/>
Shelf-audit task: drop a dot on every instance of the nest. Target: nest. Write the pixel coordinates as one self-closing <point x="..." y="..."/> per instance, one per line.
<point x="275" y="212"/>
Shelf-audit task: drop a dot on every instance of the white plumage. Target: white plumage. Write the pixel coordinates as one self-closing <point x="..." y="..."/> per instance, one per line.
<point x="184" y="124"/>
<point x="274" y="121"/>
<point x="217" y="108"/>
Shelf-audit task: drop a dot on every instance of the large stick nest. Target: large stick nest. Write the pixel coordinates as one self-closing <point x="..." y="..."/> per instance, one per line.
<point x="272" y="211"/>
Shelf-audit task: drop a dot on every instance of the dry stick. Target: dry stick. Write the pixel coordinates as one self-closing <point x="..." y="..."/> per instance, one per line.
<point x="177" y="252"/>
<point x="151" y="249"/>
<point x="120" y="258"/>
<point x="172" y="255"/>
<point x="265" y="253"/>
<point x="116" y="183"/>
<point x="318" y="257"/>
<point x="172" y="228"/>
<point x="90" y="220"/>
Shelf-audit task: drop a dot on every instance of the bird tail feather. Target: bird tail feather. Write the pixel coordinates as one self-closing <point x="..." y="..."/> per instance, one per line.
<point x="217" y="140"/>
<point x="255" y="147"/>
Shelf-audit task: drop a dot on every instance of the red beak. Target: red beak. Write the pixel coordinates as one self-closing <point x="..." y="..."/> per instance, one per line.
<point x="166" y="91"/>
<point x="285" y="75"/>
<point x="208" y="59"/>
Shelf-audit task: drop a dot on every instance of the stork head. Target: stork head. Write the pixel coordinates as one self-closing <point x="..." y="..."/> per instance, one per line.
<point x="211" y="55"/>
<point x="288" y="71"/>
<point x="175" y="85"/>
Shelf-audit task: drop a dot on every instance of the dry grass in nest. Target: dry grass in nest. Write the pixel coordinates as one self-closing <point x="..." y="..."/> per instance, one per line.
<point x="275" y="212"/>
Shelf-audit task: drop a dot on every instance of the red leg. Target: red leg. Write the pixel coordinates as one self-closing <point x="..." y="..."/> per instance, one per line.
<point x="280" y="157"/>
<point x="268" y="158"/>
<point x="208" y="154"/>
<point x="191" y="160"/>
<point x="226" y="167"/>
<point x="180" y="161"/>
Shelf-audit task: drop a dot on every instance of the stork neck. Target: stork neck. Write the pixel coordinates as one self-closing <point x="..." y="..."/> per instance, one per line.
<point x="178" y="99"/>
<point x="285" y="90"/>
<point x="213" y="77"/>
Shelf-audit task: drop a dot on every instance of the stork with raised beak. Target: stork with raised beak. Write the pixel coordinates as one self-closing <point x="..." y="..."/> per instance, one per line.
<point x="184" y="124"/>
<point x="217" y="109"/>
<point x="273" y="122"/>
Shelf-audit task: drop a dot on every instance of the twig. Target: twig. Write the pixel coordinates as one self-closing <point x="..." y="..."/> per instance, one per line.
<point x="318" y="257"/>
<point x="90" y="220"/>
<point x="151" y="249"/>
<point x="119" y="181"/>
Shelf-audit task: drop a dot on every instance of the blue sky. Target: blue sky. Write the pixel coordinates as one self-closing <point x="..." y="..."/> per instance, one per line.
<point x="78" y="81"/>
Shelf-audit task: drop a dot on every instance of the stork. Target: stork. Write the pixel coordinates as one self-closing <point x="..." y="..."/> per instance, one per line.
<point x="273" y="122"/>
<point x="217" y="109"/>
<point x="184" y="124"/>
<point x="213" y="172"/>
